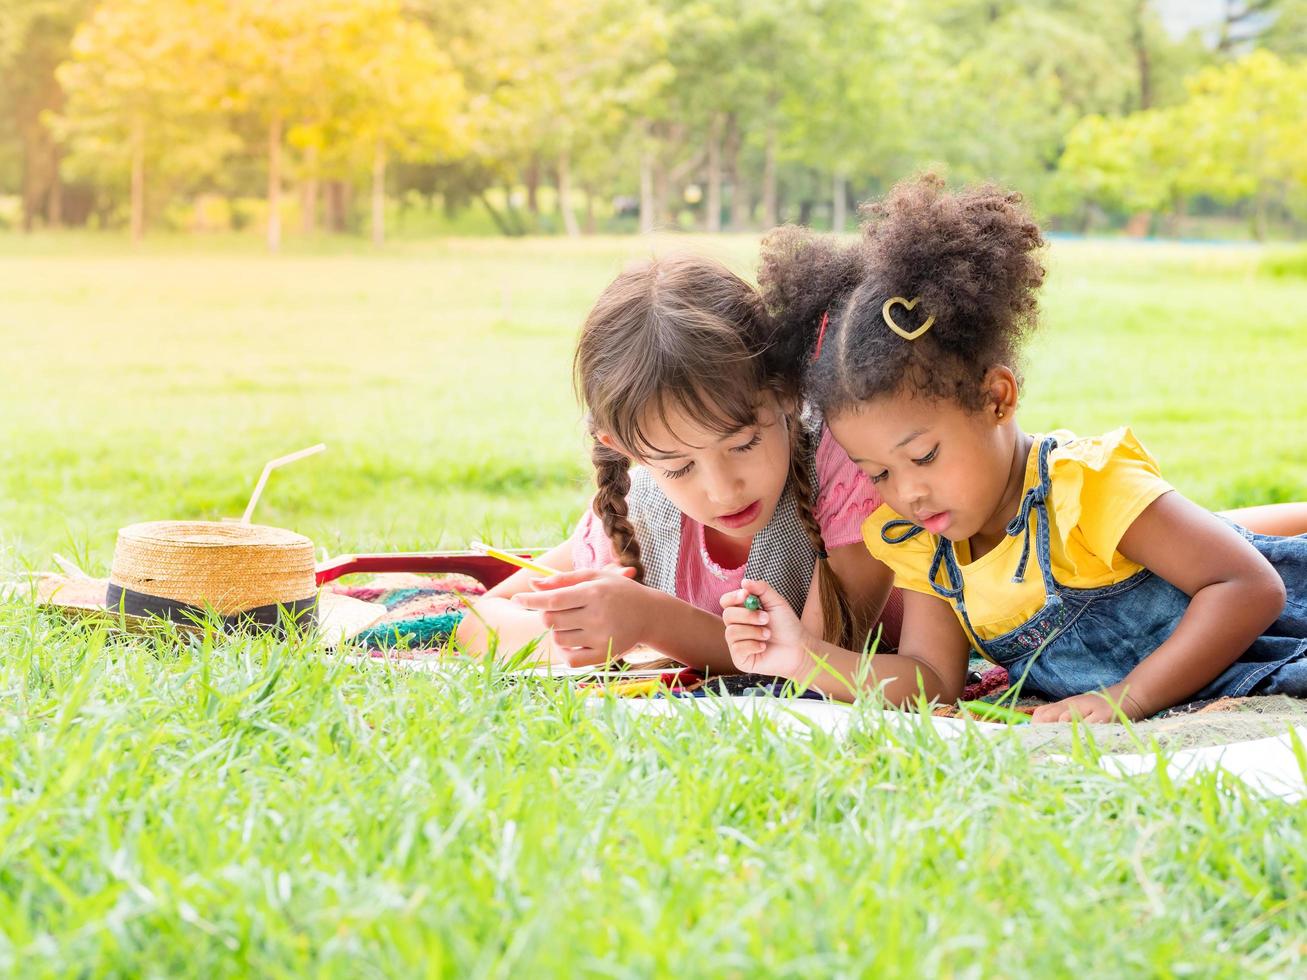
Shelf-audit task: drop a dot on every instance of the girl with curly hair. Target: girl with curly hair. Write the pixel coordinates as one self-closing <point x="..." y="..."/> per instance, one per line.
<point x="682" y="372"/>
<point x="1069" y="561"/>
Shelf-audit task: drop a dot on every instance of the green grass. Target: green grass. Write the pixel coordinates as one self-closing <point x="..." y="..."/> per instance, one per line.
<point x="244" y="807"/>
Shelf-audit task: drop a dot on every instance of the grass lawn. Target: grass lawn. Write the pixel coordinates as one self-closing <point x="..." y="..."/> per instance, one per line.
<point x="238" y="807"/>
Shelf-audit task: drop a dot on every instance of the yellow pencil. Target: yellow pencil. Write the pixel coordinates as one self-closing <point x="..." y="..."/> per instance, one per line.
<point x="480" y="547"/>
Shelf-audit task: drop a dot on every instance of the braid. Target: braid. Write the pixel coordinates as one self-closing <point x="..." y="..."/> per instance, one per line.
<point x="613" y="480"/>
<point x="837" y="622"/>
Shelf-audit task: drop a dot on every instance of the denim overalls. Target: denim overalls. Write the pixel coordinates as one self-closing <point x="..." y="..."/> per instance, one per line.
<point x="1088" y="639"/>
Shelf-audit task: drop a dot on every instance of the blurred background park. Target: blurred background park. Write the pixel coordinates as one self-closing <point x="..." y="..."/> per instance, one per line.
<point x="449" y="185"/>
<point x="1182" y="118"/>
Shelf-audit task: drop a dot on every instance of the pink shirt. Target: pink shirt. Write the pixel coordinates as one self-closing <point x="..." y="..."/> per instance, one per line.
<point x="845" y="499"/>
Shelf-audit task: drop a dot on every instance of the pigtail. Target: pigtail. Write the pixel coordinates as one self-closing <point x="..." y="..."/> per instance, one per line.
<point x="970" y="257"/>
<point x="959" y="271"/>
<point x="613" y="480"/>
<point x="802" y="277"/>
<point x="838" y="626"/>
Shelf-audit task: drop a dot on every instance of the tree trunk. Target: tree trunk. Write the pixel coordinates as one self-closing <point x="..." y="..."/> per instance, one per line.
<point x="1260" y="213"/>
<point x="274" y="184"/>
<point x="37" y="156"/>
<point x="741" y="207"/>
<point x="379" y="194"/>
<point x="337" y="209"/>
<point x="138" y="180"/>
<point x="662" y="194"/>
<point x="591" y="225"/>
<point x="770" y="209"/>
<point x="565" y="194"/>
<point x="55" y="209"/>
<point x="309" y="193"/>
<point x="839" y="213"/>
<point x="1175" y="217"/>
<point x="1143" y="61"/>
<point x="1138" y="224"/>
<point x="31" y="182"/>
<point x="648" y="206"/>
<point x="501" y="222"/>
<point x="713" y="207"/>
<point x="533" y="186"/>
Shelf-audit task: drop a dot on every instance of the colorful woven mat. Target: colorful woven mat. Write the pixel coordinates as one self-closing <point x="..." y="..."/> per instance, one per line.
<point x="422" y="611"/>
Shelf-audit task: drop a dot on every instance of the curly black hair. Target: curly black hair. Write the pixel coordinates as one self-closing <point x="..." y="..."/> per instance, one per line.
<point x="971" y="260"/>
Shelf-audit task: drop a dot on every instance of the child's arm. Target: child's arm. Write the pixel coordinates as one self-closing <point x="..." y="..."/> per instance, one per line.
<point x="1282" y="520"/>
<point x="494" y="613"/>
<point x="1235" y="595"/>
<point x="932" y="659"/>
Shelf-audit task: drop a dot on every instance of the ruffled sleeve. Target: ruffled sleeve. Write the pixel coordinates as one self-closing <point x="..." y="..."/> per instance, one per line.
<point x="846" y="496"/>
<point x="590" y="545"/>
<point x="1100" y="486"/>
<point x="909" y="559"/>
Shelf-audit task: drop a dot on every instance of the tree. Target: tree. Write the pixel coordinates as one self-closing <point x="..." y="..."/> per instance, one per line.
<point x="133" y="106"/>
<point x="34" y="38"/>
<point x="1247" y="122"/>
<point x="1136" y="162"/>
<point x="848" y="112"/>
<point x="404" y="99"/>
<point x="1241" y="135"/>
<point x="1287" y="33"/>
<point x="270" y="60"/>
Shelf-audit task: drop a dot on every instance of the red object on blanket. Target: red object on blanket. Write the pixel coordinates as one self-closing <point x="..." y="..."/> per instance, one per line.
<point x="991" y="680"/>
<point x="486" y="570"/>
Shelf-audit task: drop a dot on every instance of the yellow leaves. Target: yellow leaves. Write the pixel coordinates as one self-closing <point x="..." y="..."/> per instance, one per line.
<point x="1244" y="125"/>
<point x="342" y="73"/>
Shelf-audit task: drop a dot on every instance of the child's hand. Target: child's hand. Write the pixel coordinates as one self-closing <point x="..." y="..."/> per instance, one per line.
<point x="1092" y="708"/>
<point x="594" y="614"/>
<point x="769" y="640"/>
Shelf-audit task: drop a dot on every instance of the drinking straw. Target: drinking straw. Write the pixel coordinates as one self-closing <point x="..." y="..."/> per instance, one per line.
<point x="267" y="470"/>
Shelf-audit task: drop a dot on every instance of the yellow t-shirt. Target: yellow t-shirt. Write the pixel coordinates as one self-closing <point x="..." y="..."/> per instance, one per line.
<point x="1099" y="485"/>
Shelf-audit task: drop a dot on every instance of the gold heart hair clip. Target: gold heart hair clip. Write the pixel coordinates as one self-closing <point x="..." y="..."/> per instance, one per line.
<point x="907" y="305"/>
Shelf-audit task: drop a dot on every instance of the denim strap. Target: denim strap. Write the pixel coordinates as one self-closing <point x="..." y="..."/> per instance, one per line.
<point x="1036" y="497"/>
<point x="912" y="531"/>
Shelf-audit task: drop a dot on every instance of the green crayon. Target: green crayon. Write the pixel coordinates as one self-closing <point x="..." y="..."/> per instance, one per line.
<point x="995" y="712"/>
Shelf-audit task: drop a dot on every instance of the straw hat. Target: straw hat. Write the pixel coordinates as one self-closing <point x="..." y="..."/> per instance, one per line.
<point x="252" y="576"/>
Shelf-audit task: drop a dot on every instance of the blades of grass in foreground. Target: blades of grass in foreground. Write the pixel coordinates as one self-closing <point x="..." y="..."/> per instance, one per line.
<point x="241" y="805"/>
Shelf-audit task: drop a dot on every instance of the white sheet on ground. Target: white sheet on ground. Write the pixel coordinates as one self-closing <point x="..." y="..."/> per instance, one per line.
<point x="1266" y="765"/>
<point x="795" y="714"/>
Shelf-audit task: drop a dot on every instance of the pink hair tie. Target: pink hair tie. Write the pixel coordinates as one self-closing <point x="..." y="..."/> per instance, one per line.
<point x="821" y="335"/>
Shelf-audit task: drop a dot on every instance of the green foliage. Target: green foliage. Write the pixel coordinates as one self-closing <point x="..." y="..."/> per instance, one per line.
<point x="1138" y="162"/>
<point x="763" y="109"/>
<point x="133" y="94"/>
<point x="1242" y="134"/>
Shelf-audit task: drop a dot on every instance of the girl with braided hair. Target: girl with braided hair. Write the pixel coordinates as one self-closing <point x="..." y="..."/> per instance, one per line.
<point x="682" y="372"/>
<point x="1069" y="561"/>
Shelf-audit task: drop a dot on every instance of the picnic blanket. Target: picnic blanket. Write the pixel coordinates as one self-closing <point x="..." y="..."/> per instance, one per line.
<point x="422" y="611"/>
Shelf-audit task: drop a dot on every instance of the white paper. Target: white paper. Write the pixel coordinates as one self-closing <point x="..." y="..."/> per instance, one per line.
<point x="796" y="714"/>
<point x="1265" y="765"/>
